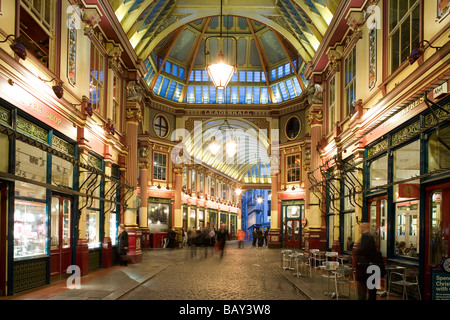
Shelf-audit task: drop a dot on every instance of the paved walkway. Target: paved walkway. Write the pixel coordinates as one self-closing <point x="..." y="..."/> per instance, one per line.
<point x="251" y="273"/>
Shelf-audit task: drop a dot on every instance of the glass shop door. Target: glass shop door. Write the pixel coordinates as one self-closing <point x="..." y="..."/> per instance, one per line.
<point x="3" y="224"/>
<point x="378" y="222"/>
<point x="61" y="235"/>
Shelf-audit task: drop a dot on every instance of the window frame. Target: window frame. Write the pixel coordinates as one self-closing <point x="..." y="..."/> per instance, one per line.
<point x="349" y="86"/>
<point x="157" y="127"/>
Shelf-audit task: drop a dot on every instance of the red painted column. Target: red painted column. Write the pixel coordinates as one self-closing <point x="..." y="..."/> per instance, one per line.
<point x="143" y="186"/>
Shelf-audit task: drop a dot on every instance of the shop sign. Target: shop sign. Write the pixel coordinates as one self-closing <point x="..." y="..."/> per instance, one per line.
<point x="440" y="281"/>
<point x="34" y="107"/>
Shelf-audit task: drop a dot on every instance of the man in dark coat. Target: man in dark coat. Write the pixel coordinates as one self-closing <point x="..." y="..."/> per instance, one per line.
<point x="255" y="237"/>
<point x="260" y="237"/>
<point x="172" y="237"/>
<point x="222" y="236"/>
<point x="122" y="247"/>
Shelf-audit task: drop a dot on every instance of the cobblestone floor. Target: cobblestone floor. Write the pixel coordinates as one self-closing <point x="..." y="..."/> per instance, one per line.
<point x="241" y="274"/>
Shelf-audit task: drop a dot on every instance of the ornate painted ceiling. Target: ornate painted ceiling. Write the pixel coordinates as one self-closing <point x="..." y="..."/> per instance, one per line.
<point x="270" y="42"/>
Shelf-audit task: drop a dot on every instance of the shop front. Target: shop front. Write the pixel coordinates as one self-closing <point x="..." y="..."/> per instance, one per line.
<point x="159" y="215"/>
<point x="407" y="192"/>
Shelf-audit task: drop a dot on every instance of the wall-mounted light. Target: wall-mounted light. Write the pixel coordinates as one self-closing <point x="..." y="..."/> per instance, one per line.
<point x="57" y="89"/>
<point x="17" y="47"/>
<point x="419" y="50"/>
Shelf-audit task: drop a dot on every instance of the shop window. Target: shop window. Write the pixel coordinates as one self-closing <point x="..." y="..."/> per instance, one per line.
<point x="438" y="154"/>
<point x="55" y="241"/>
<point x="201" y="218"/>
<point x="159" y="166"/>
<point x="97" y="74"/>
<point x="62" y="172"/>
<point x="93" y="228"/>
<point x="349" y="229"/>
<point x="201" y="182"/>
<point x="379" y="172"/>
<point x="293" y="168"/>
<point x="407" y="166"/>
<point x="331" y="104"/>
<point x="113" y="227"/>
<point x="404" y="30"/>
<point x="31" y="163"/>
<point x="330" y="229"/>
<point x="350" y="81"/>
<point x="161" y="126"/>
<point x="4" y="159"/>
<point x="407" y="228"/>
<point x="184" y="178"/>
<point x="293" y="212"/>
<point x="37" y="29"/>
<point x="158" y="217"/>
<point x="30" y="229"/>
<point x="213" y="188"/>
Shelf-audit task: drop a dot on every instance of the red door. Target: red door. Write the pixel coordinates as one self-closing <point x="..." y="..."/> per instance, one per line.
<point x="60" y="230"/>
<point x="293" y="235"/>
<point x="378" y="222"/>
<point x="3" y="258"/>
<point x="437" y="229"/>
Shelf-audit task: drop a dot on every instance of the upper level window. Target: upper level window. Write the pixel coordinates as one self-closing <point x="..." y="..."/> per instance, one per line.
<point x="350" y="81"/>
<point x="404" y="30"/>
<point x="161" y="126"/>
<point x="97" y="79"/>
<point x="293" y="168"/>
<point x="37" y="29"/>
<point x="159" y="166"/>
<point x="332" y="103"/>
<point x="117" y="100"/>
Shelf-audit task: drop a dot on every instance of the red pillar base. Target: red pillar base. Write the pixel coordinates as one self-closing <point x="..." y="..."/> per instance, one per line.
<point x="107" y="253"/>
<point x="134" y="244"/>
<point x="315" y="239"/>
<point x="82" y="256"/>
<point x="336" y="246"/>
<point x="274" y="241"/>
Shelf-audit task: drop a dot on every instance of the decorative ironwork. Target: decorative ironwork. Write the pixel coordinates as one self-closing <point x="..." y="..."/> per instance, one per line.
<point x="31" y="129"/>
<point x="406" y="133"/>
<point x="5" y="116"/>
<point x="63" y="146"/>
<point x="379" y="147"/>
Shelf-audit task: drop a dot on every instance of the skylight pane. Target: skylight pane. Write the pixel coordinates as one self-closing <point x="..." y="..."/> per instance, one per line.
<point x="241" y="94"/>
<point x="167" y="67"/>
<point x="241" y="76"/>
<point x="249" y="95"/>
<point x="171" y="90"/>
<point x="287" y="68"/>
<point x="273" y="74"/>
<point x="177" y="94"/>
<point x="283" y="91"/>
<point x="234" y="95"/>
<point x="157" y="84"/>
<point x="212" y="94"/>
<point x="164" y="87"/>
<point x="227" y="94"/>
<point x="191" y="76"/>
<point x="263" y="76"/>
<point x="297" y="86"/>
<point x="219" y="95"/>
<point x="190" y="94"/>
<point x="198" y="75"/>
<point x="249" y="76"/>
<point x="256" y="95"/>
<point x="175" y="70"/>
<point x="276" y="93"/>
<point x="205" y="76"/>
<point x="198" y="94"/>
<point x="205" y="98"/>
<point x="280" y="71"/>
<point x="264" y="96"/>
<point x="181" y="76"/>
<point x="257" y="76"/>
<point x="235" y="77"/>
<point x="290" y="88"/>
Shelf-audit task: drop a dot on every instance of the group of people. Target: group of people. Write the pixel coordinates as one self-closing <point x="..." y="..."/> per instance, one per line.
<point x="260" y="236"/>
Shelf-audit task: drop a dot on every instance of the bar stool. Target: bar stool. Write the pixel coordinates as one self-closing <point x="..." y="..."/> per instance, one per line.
<point x="344" y="275"/>
<point x="328" y="272"/>
<point x="285" y="258"/>
<point x="299" y="259"/>
<point x="319" y="257"/>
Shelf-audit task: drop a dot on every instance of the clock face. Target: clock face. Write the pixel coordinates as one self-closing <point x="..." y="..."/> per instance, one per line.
<point x="446" y="264"/>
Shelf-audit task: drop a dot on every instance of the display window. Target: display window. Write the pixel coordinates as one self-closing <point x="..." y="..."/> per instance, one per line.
<point x="158" y="217"/>
<point x="193" y="218"/>
<point x="93" y="228"/>
<point x="379" y="172"/>
<point x="438" y="154"/>
<point x="30" y="229"/>
<point x="113" y="228"/>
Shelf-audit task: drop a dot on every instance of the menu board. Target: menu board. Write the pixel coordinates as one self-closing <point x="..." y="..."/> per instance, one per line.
<point x="440" y="281"/>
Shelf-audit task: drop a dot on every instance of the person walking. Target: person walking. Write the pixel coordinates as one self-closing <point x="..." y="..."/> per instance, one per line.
<point x="122" y="247"/>
<point x="172" y="237"/>
<point x="255" y="237"/>
<point x="260" y="237"/>
<point x="366" y="255"/>
<point x="222" y="236"/>
<point x="266" y="235"/>
<point x="241" y="238"/>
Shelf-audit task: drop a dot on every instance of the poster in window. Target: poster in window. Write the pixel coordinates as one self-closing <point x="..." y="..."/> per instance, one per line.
<point x="443" y="6"/>
<point x="72" y="50"/>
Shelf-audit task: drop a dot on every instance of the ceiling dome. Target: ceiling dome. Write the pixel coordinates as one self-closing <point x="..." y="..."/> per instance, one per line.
<point x="268" y="41"/>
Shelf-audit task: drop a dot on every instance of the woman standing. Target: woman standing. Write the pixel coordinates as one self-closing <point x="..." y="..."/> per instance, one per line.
<point x="123" y="246"/>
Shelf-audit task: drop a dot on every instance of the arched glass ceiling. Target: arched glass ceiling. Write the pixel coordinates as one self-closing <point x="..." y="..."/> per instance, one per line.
<point x="275" y="40"/>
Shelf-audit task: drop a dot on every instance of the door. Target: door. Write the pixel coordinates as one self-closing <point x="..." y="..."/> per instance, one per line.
<point x="437" y="230"/>
<point x="293" y="234"/>
<point x="60" y="231"/>
<point x="3" y="258"/>
<point x="378" y="222"/>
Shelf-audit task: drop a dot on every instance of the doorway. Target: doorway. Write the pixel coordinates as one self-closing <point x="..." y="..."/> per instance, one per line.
<point x="60" y="235"/>
<point x="437" y="230"/>
<point x="378" y="222"/>
<point x="293" y="214"/>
